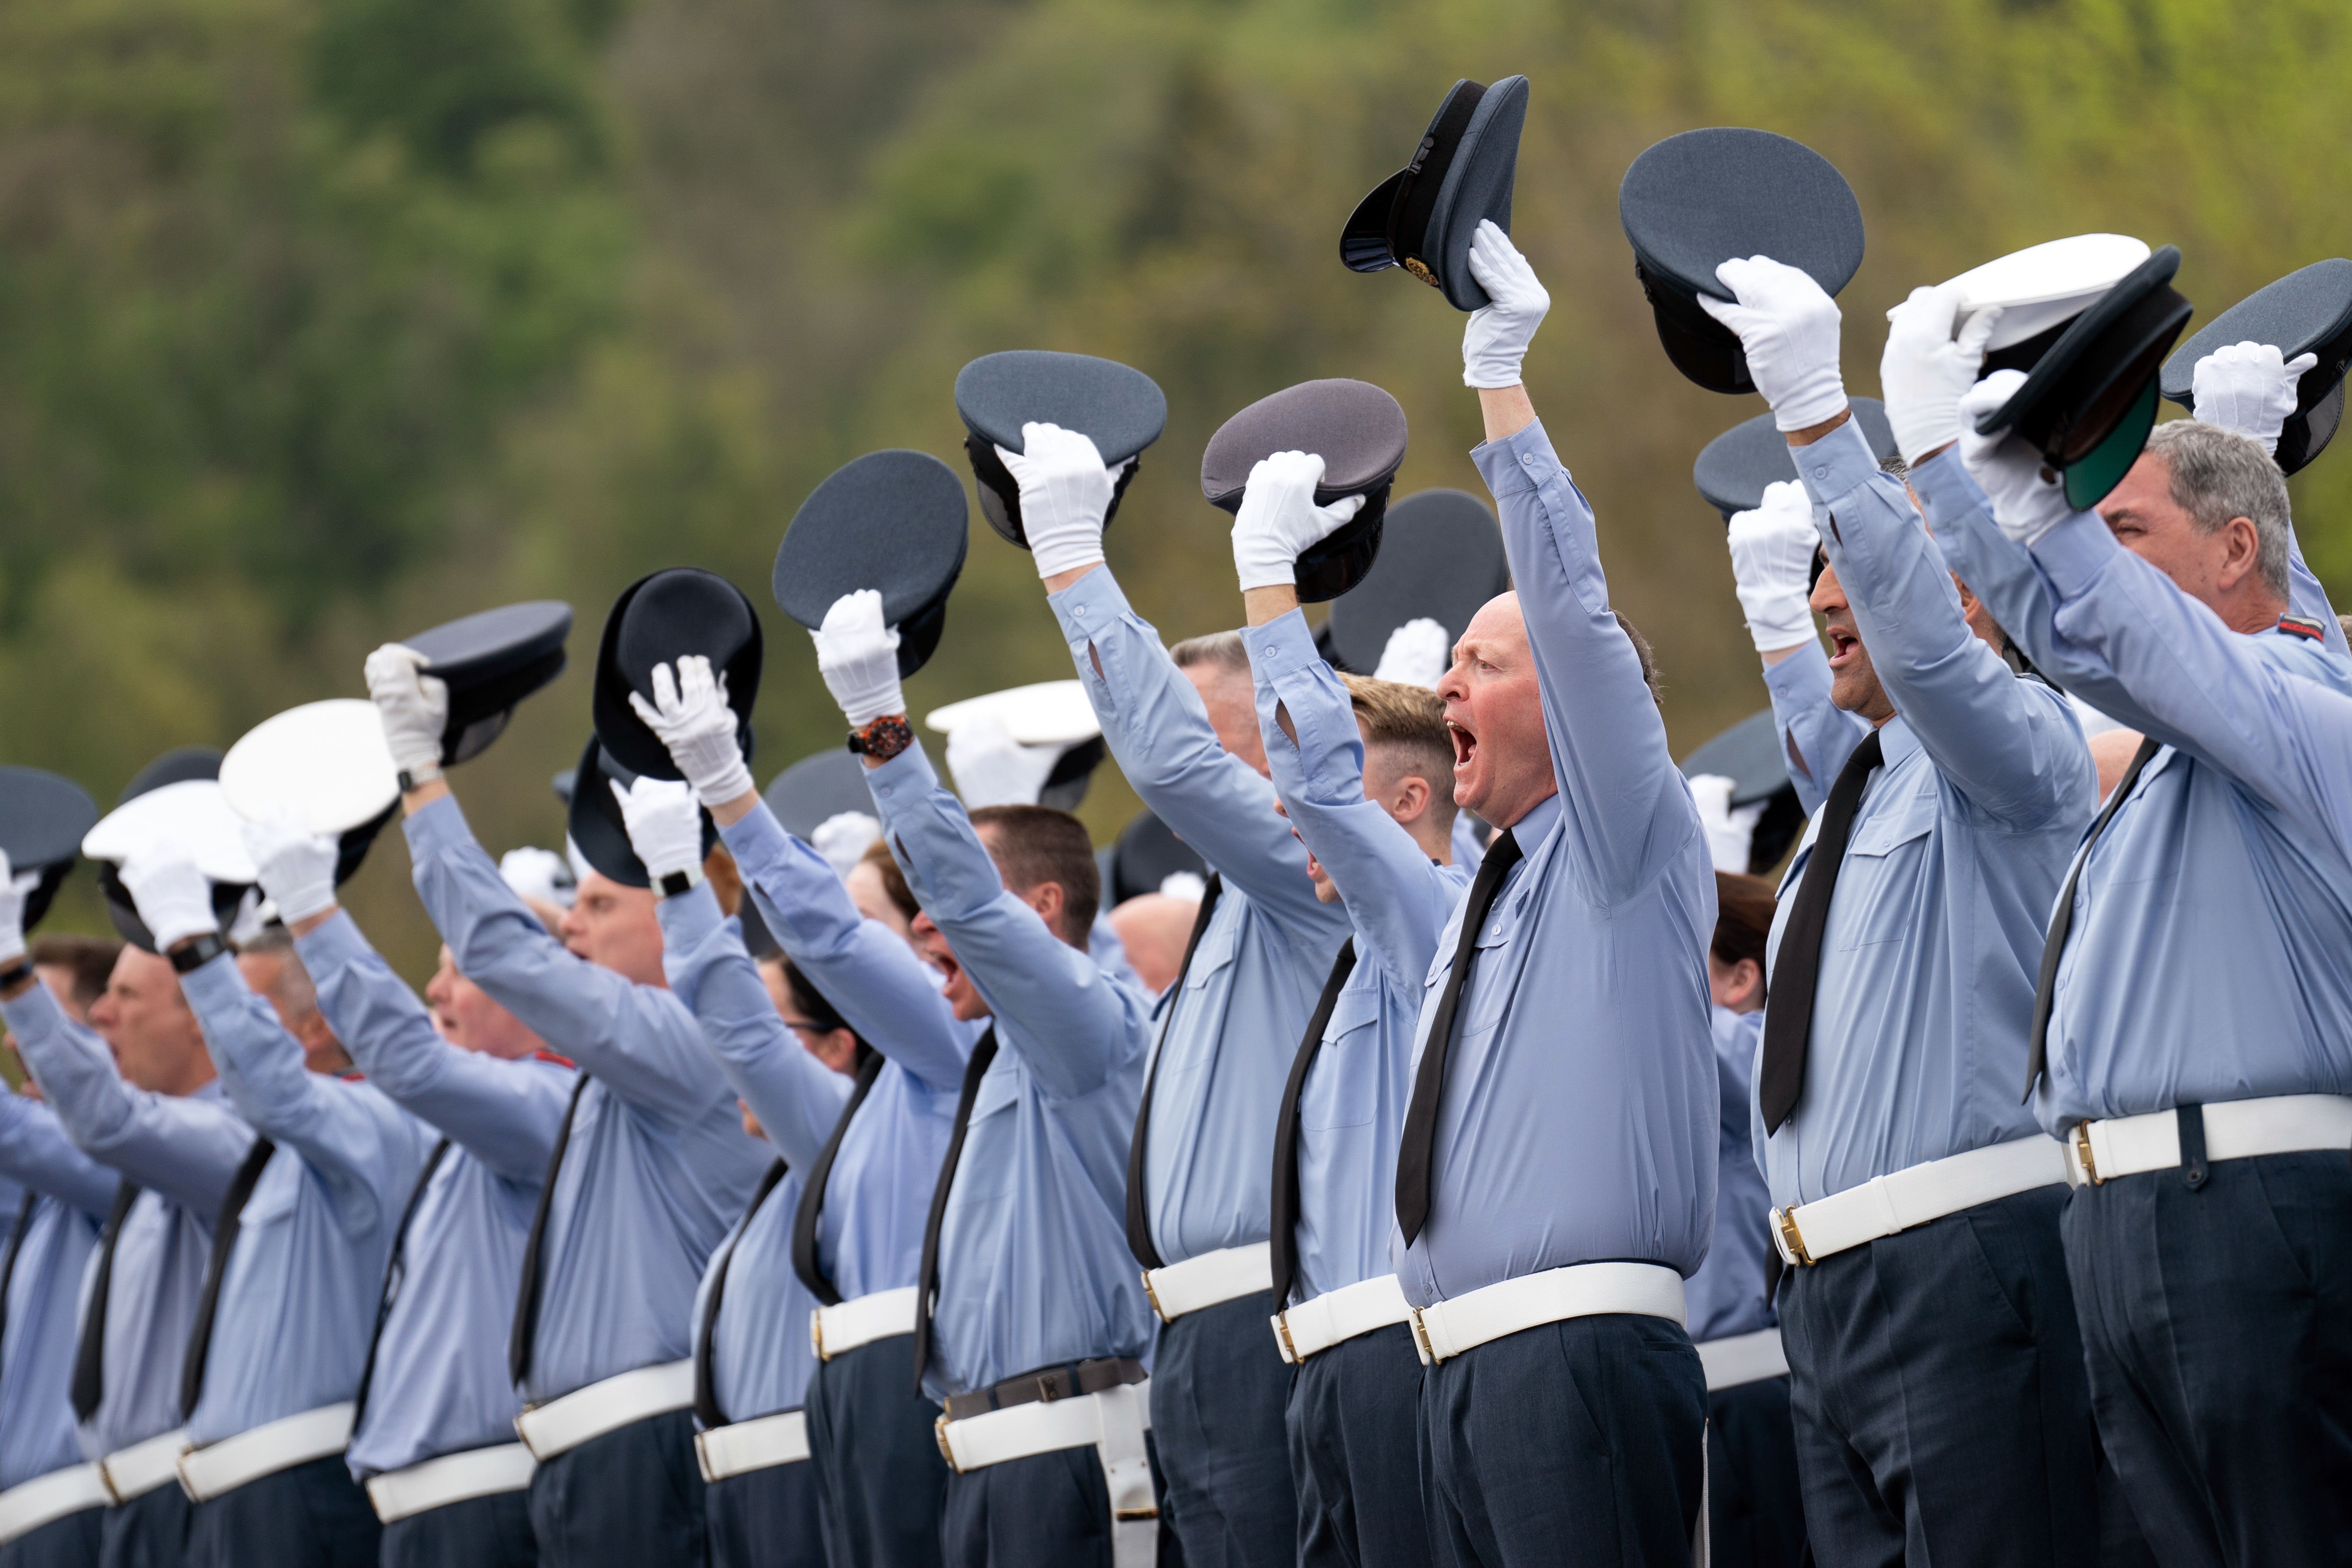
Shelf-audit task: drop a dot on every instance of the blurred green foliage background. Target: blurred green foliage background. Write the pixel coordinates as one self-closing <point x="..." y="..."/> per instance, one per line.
<point x="323" y="320"/>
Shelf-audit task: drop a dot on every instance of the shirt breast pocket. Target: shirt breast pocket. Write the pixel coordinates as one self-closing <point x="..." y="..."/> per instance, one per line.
<point x="273" y="1196"/>
<point x="1878" y="885"/>
<point x="985" y="1170"/>
<point x="1343" y="1087"/>
<point x="1214" y="953"/>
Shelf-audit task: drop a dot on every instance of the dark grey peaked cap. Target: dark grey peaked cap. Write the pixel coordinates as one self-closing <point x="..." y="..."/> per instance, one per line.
<point x="1120" y="410"/>
<point x="1440" y="558"/>
<point x="1465" y="169"/>
<point x="892" y="520"/>
<point x="1748" y="754"/>
<point x="659" y="619"/>
<point x="43" y="819"/>
<point x="1695" y="201"/>
<point x="491" y="661"/>
<point x="178" y="765"/>
<point x="1147" y="853"/>
<point x="2309" y="310"/>
<point x="818" y="787"/>
<point x="1733" y="470"/>
<point x="1357" y="429"/>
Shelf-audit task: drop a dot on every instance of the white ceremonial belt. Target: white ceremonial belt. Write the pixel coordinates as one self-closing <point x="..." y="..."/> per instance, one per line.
<point x="1221" y="1276"/>
<point x="883" y="1315"/>
<point x="453" y="1477"/>
<point x="220" y="1467"/>
<point x="45" y="1499"/>
<point x="1899" y="1200"/>
<point x="1337" y="1315"/>
<point x="562" y="1425"/>
<point x="141" y="1467"/>
<point x="1743" y="1358"/>
<point x="1445" y="1329"/>
<point x="756" y="1445"/>
<point x="1112" y="1422"/>
<point x="2099" y="1151"/>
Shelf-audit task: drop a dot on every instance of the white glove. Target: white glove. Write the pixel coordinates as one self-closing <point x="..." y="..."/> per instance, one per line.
<point x="1495" y="338"/>
<point x="1729" y="829"/>
<point x="1278" y="517"/>
<point x="2248" y="388"/>
<point x="2028" y="499"/>
<point x="173" y="898"/>
<point x="991" y="768"/>
<point x="15" y="887"/>
<point x="1189" y="886"/>
<point x="1419" y="653"/>
<point x="1788" y="326"/>
<point x="664" y="825"/>
<point x="1925" y="372"/>
<point x="690" y="715"/>
<point x="414" y="708"/>
<point x="1772" y="564"/>
<point x="297" y="867"/>
<point x="1065" y="493"/>
<point x="858" y="658"/>
<point x="843" y="838"/>
<point x="540" y="874"/>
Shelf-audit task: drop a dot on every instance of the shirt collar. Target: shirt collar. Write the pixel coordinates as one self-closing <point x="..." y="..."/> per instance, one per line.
<point x="1896" y="744"/>
<point x="1529" y="830"/>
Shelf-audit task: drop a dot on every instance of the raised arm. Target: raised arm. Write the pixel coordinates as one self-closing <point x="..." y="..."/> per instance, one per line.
<point x="505" y="1114"/>
<point x="1076" y="1027"/>
<point x="36" y="1153"/>
<point x="2013" y="747"/>
<point x="1397" y="897"/>
<point x="637" y="1039"/>
<point x="796" y="1097"/>
<point x="187" y="1148"/>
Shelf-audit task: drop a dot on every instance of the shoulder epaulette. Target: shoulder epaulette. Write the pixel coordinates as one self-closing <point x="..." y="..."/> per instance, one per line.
<point x="2303" y="627"/>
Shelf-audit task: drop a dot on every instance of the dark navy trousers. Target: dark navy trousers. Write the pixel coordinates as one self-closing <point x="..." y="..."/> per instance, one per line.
<point x="1573" y="1444"/>
<point x="2217" y="1321"/>
<point x="1219" y="1389"/>
<point x="1049" y="1511"/>
<point x="766" y="1518"/>
<point x="479" y="1532"/>
<point x="150" y="1531"/>
<point x="1755" y="1509"/>
<point x="1942" y="1414"/>
<point x="1355" y="1453"/>
<point x="311" y="1516"/>
<point x="881" y="1484"/>
<point x="630" y="1498"/>
<point x="68" y="1542"/>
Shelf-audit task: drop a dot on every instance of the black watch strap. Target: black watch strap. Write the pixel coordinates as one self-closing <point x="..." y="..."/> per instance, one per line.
<point x="670" y="884"/>
<point x="15" y="974"/>
<point x="199" y="952"/>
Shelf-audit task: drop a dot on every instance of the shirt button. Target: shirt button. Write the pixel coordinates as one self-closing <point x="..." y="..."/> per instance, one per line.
<point x="1821" y="473"/>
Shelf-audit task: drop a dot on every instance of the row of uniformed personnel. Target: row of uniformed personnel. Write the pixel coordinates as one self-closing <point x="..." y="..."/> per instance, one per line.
<point x="1462" y="1145"/>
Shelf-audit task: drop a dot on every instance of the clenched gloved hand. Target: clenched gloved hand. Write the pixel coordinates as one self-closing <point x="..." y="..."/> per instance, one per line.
<point x="858" y="657"/>
<point x="690" y="715"/>
<point x="1066" y="493"/>
<point x="991" y="768"/>
<point x="1418" y="654"/>
<point x="1788" y="326"/>
<point x="1278" y="519"/>
<point x="297" y="867"/>
<point x="665" y="825"/>
<point x="2028" y="498"/>
<point x="1926" y="370"/>
<point x="2248" y="388"/>
<point x="413" y="706"/>
<point x="1495" y="338"/>
<point x="173" y="898"/>
<point x="1772" y="566"/>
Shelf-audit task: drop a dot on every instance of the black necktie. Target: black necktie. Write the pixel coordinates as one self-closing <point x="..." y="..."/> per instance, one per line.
<point x="1415" y="1152"/>
<point x="2062" y="922"/>
<point x="1797" y="970"/>
<point x="706" y="1372"/>
<point x="526" y="1318"/>
<point x="811" y="1207"/>
<point x="16" y="1245"/>
<point x="200" y="1339"/>
<point x="1139" y="1217"/>
<point x="1282" y="1244"/>
<point x="927" y="1280"/>
<point x="90" y="1350"/>
<point x="395" y="1267"/>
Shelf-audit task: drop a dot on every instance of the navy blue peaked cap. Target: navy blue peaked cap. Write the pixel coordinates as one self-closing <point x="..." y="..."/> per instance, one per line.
<point x="1440" y="558"/>
<point x="892" y="520"/>
<point x="1119" y="409"/>
<point x="2309" y="310"/>
<point x="1424" y="217"/>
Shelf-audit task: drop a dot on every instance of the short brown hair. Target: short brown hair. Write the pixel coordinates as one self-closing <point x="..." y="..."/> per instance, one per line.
<point x="1649" y="660"/>
<point x="1223" y="651"/>
<point x="1034" y="844"/>
<point x="1408" y="723"/>
<point x="89" y="960"/>
<point x="1743" y="918"/>
<point x="894" y="880"/>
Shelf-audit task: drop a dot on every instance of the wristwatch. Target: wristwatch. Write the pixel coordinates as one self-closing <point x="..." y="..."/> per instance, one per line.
<point x="670" y="884"/>
<point x="883" y="739"/>
<point x="197" y="953"/>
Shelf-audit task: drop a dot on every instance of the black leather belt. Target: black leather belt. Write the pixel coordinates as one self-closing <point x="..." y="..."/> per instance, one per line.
<point x="1063" y="1382"/>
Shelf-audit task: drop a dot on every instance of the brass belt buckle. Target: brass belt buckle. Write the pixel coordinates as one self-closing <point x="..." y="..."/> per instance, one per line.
<point x="1421" y="1338"/>
<point x="946" y="1449"/>
<point x="1282" y="1338"/>
<point x="1153" y="1297"/>
<point x="816" y="1333"/>
<point x="1792" y="1240"/>
<point x="2082" y="1142"/>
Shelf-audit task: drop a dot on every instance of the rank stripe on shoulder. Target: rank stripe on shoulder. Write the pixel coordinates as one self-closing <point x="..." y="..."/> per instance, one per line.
<point x="2303" y="627"/>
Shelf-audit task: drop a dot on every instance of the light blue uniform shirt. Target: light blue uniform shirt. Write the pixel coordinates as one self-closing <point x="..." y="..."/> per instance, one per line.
<point x="1351" y="1107"/>
<point x="72" y="1196"/>
<point x="1725" y="1297"/>
<point x="184" y="1150"/>
<point x="870" y="1233"/>
<point x="1578" y="1122"/>
<point x="298" y="1298"/>
<point x="1936" y="932"/>
<point x="2211" y="923"/>
<point x="441" y="1384"/>
<point x="1469" y="849"/>
<point x="1034" y="1266"/>
<point x="657" y="1167"/>
<point x="761" y="1356"/>
<point x="1243" y="1001"/>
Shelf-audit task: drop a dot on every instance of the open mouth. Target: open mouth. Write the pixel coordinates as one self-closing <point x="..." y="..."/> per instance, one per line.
<point x="1466" y="745"/>
<point x="1844" y="646"/>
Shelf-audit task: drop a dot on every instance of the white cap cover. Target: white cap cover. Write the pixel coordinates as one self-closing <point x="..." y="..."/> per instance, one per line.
<point x="1049" y="713"/>
<point x="327" y="760"/>
<point x="193" y="817"/>
<point x="2043" y="285"/>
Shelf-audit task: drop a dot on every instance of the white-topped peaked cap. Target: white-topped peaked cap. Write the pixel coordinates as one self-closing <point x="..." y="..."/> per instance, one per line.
<point x="192" y="816"/>
<point x="1048" y="714"/>
<point x="2045" y="285"/>
<point x="327" y="760"/>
